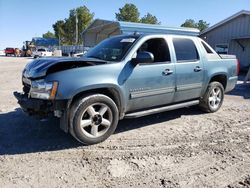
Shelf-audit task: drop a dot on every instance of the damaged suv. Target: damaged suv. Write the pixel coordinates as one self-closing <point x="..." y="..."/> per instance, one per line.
<point x="126" y="76"/>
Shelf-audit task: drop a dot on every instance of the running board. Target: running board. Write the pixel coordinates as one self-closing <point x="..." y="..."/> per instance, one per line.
<point x="161" y="109"/>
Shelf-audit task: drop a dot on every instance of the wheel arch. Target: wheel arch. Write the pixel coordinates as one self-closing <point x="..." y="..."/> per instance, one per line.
<point x="221" y="78"/>
<point x="109" y="91"/>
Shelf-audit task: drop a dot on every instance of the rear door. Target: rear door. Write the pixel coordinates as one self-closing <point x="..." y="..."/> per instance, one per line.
<point x="189" y="69"/>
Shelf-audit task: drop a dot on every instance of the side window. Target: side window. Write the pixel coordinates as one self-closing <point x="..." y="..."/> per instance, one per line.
<point x="158" y="47"/>
<point x="185" y="50"/>
<point x="208" y="50"/>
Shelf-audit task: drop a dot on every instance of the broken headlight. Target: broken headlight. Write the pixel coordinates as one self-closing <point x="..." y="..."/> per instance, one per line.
<point x="43" y="90"/>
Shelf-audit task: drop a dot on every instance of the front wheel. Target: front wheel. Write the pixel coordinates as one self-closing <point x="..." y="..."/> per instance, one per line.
<point x="93" y="118"/>
<point x="213" y="98"/>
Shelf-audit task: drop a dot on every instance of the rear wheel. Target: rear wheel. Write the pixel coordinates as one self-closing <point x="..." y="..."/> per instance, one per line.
<point x="213" y="98"/>
<point x="94" y="118"/>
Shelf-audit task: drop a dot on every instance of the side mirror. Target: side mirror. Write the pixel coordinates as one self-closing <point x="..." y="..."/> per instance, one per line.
<point x="143" y="57"/>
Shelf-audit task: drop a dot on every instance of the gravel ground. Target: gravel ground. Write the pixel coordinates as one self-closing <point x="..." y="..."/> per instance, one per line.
<point x="181" y="148"/>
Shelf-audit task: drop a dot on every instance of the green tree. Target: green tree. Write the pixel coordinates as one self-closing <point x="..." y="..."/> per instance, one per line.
<point x="70" y="28"/>
<point x="59" y="31"/>
<point x="189" y="23"/>
<point x="201" y="24"/>
<point x="65" y="30"/>
<point x="129" y="13"/>
<point x="49" y="35"/>
<point x="85" y="17"/>
<point x="149" y="19"/>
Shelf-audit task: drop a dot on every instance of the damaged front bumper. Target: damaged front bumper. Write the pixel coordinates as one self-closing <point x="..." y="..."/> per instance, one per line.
<point x="40" y="107"/>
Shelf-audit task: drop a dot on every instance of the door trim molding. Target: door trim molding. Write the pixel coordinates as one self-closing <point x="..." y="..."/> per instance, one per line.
<point x="189" y="86"/>
<point x="151" y="92"/>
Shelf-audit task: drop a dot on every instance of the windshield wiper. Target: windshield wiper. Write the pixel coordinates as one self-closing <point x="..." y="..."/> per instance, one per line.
<point x="98" y="60"/>
<point x="95" y="57"/>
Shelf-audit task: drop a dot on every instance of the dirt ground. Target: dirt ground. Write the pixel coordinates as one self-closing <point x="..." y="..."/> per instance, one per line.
<point x="181" y="148"/>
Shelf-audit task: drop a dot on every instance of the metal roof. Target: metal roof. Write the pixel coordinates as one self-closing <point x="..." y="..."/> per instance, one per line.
<point x="128" y="28"/>
<point x="100" y="29"/>
<point x="242" y="12"/>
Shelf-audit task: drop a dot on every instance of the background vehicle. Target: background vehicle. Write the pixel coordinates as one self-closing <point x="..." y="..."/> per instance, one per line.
<point x="27" y="49"/>
<point x="78" y="54"/>
<point x="9" y="51"/>
<point x="17" y="52"/>
<point x="126" y="77"/>
<point x="2" y="52"/>
<point x="42" y="52"/>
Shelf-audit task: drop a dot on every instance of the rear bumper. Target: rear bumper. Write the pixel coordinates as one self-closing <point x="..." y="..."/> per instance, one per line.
<point x="38" y="106"/>
<point x="231" y="83"/>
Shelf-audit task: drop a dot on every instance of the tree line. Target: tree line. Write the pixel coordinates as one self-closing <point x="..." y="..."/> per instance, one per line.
<point x="81" y="17"/>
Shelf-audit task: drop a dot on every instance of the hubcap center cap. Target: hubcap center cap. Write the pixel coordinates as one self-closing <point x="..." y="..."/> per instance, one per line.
<point x="97" y="119"/>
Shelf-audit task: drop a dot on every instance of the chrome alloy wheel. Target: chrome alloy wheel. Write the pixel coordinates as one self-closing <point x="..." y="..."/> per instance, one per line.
<point x="215" y="97"/>
<point x="96" y="119"/>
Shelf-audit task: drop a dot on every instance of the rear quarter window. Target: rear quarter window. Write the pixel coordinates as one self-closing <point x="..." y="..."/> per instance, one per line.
<point x="185" y="50"/>
<point x="208" y="50"/>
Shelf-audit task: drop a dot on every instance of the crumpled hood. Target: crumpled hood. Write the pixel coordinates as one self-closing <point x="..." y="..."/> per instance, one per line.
<point x="39" y="67"/>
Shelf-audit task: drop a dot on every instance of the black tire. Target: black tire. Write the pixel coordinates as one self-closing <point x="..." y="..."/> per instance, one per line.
<point x="206" y="104"/>
<point x="80" y="113"/>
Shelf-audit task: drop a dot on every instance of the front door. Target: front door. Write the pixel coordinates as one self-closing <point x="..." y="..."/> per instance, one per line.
<point x="151" y="84"/>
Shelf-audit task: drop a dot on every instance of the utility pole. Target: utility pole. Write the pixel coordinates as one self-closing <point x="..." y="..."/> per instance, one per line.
<point x="76" y="27"/>
<point x="59" y="40"/>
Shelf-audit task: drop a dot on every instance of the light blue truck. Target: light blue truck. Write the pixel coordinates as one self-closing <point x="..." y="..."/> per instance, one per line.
<point x="126" y="76"/>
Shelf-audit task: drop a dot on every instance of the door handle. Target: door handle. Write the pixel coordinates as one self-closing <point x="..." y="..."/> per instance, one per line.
<point x="167" y="72"/>
<point x="197" y="69"/>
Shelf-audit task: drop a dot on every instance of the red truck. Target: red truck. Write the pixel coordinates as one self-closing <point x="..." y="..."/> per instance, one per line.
<point x="9" y="51"/>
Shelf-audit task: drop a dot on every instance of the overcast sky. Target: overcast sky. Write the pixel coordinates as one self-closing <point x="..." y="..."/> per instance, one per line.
<point x="21" y="20"/>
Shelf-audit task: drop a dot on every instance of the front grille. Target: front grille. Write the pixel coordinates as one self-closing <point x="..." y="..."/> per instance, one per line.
<point x="26" y="85"/>
<point x="26" y="88"/>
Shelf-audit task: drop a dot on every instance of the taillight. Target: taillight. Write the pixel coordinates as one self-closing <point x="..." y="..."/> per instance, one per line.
<point x="238" y="67"/>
